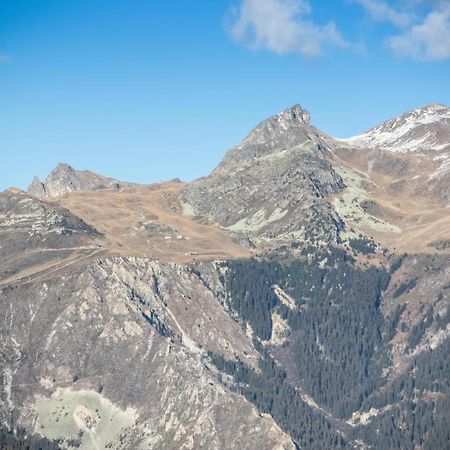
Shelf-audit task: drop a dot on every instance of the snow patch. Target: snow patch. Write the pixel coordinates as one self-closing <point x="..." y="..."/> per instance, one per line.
<point x="403" y="133"/>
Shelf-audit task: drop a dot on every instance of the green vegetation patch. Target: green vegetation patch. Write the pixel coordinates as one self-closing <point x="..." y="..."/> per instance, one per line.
<point x="82" y="419"/>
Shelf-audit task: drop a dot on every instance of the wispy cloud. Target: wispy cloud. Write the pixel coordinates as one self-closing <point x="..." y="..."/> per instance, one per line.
<point x="287" y="26"/>
<point x="423" y="26"/>
<point x="427" y="41"/>
<point x="283" y="26"/>
<point x="5" y="58"/>
<point x="381" y="11"/>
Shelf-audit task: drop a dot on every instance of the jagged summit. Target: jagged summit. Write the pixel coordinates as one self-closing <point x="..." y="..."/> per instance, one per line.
<point x="286" y="130"/>
<point x="63" y="167"/>
<point x="293" y="114"/>
<point x="274" y="184"/>
<point x="36" y="188"/>
<point x="64" y="179"/>
<point x="421" y="129"/>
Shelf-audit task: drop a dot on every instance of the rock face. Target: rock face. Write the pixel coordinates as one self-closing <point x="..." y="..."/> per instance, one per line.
<point x="64" y="179"/>
<point x="34" y="233"/>
<point x="422" y="129"/>
<point x="113" y="355"/>
<point x="274" y="184"/>
<point x="112" y="352"/>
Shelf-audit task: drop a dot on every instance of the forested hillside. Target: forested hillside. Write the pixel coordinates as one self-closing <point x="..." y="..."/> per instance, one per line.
<point x="337" y="351"/>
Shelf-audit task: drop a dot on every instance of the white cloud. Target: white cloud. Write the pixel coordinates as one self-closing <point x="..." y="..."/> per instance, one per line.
<point x="282" y="26"/>
<point x="381" y="11"/>
<point x="5" y="58"/>
<point x="424" y="25"/>
<point x="427" y="41"/>
<point x="286" y="26"/>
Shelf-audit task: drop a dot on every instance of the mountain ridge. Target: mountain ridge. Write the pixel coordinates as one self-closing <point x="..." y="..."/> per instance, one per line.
<point x="297" y="297"/>
<point x="64" y="179"/>
<point x="290" y="128"/>
<point x="422" y="128"/>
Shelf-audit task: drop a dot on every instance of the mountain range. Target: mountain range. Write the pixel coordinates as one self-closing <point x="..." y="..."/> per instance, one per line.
<point x="296" y="297"/>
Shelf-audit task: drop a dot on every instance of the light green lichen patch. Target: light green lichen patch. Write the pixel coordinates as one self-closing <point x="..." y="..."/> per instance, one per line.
<point x="188" y="209"/>
<point x="258" y="221"/>
<point x="82" y="419"/>
<point x="348" y="205"/>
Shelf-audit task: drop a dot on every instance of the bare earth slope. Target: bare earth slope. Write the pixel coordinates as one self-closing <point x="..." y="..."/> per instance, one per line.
<point x="148" y="221"/>
<point x="398" y="178"/>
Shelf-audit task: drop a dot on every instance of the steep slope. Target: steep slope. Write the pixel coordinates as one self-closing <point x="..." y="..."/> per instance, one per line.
<point x="111" y="356"/>
<point x="398" y="180"/>
<point x="37" y="237"/>
<point x="64" y="179"/>
<point x="273" y="185"/>
<point x="411" y="410"/>
<point x="362" y="346"/>
<point x="422" y="129"/>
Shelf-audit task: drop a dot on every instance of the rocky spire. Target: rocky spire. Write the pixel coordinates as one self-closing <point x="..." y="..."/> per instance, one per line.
<point x="64" y="179"/>
<point x="36" y="188"/>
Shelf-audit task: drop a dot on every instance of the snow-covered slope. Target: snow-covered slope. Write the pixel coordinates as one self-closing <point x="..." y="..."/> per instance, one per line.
<point x="419" y="130"/>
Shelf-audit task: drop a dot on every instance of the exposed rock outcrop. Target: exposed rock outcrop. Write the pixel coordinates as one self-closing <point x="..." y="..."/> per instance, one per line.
<point x="35" y="234"/>
<point x="113" y="354"/>
<point x="64" y="179"/>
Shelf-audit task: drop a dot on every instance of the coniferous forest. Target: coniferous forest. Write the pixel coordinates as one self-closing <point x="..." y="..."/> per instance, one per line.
<point x="338" y="345"/>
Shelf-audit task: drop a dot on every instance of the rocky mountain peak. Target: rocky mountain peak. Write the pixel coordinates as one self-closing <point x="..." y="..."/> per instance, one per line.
<point x="286" y="130"/>
<point x="274" y="184"/>
<point x="62" y="168"/>
<point x="293" y="114"/>
<point x="36" y="188"/>
<point x="438" y="109"/>
<point x="428" y="114"/>
<point x="61" y="180"/>
<point x="64" y="179"/>
<point x="293" y="120"/>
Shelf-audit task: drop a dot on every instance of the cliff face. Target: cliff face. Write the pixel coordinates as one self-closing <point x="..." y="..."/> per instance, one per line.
<point x="114" y="353"/>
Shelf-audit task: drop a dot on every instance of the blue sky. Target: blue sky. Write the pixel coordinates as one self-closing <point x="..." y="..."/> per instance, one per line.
<point x="146" y="90"/>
